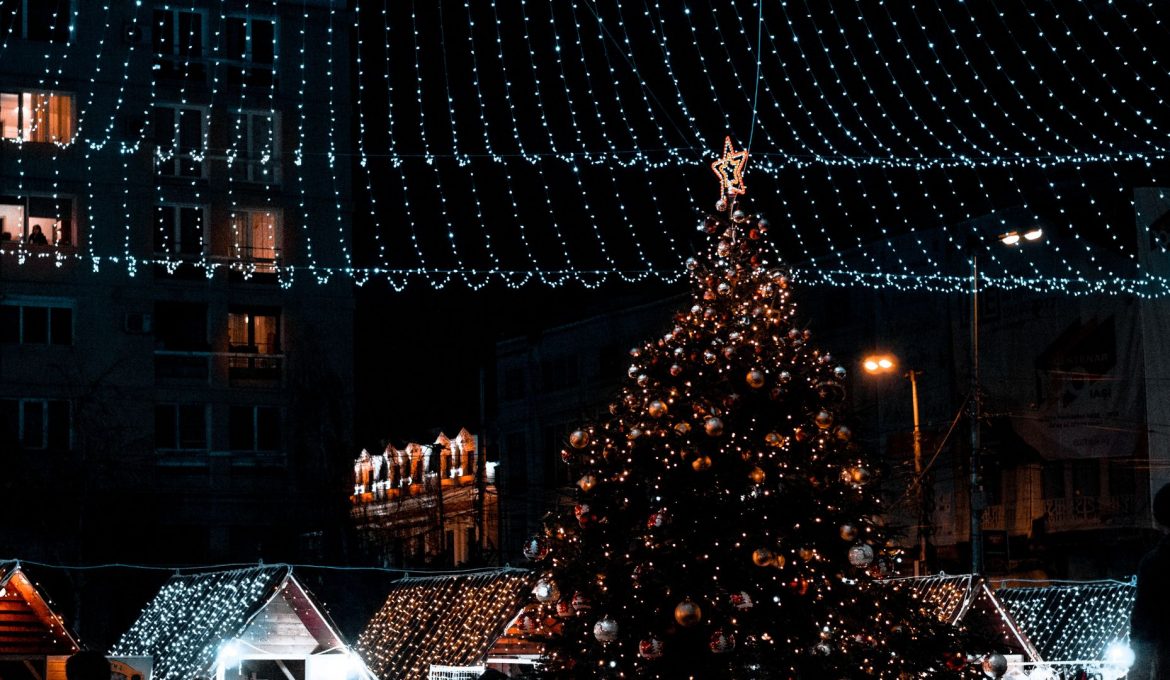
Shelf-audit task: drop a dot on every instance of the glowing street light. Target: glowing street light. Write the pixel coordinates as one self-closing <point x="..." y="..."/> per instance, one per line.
<point x="881" y="364"/>
<point x="1012" y="238"/>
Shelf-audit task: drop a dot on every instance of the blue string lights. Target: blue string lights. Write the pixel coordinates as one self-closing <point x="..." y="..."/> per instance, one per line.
<point x="514" y="143"/>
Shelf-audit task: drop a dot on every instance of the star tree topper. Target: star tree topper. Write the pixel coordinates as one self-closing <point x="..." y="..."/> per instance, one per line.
<point x="729" y="170"/>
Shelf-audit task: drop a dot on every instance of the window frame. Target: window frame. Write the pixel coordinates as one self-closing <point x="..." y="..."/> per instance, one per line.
<point x="47" y="304"/>
<point x="247" y="60"/>
<point x="251" y="163"/>
<point x="174" y="55"/>
<point x="176" y="409"/>
<point x="255" y="410"/>
<point x="46" y="436"/>
<point x="176" y="237"/>
<point x="66" y="226"/>
<point x="242" y="249"/>
<point x="22" y="31"/>
<point x="176" y="157"/>
<point x="24" y="130"/>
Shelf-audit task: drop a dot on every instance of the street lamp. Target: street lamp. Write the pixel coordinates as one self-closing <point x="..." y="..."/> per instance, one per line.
<point x="882" y="364"/>
<point x="975" y="406"/>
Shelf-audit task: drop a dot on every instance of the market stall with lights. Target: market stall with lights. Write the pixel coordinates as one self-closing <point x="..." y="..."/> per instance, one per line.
<point x="34" y="641"/>
<point x="444" y="626"/>
<point x="257" y="623"/>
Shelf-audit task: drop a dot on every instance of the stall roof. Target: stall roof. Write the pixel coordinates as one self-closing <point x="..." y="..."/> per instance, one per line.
<point x="1072" y="622"/>
<point x="187" y="624"/>
<point x="441" y="620"/>
<point x="28" y="625"/>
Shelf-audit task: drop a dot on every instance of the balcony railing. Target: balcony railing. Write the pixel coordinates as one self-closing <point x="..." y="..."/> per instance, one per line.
<point x="241" y="366"/>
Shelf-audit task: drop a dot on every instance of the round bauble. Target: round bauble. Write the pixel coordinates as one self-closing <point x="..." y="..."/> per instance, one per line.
<point x="676" y="370"/>
<point x="650" y="648"/>
<point x="546" y="591"/>
<point x="723" y="288"/>
<point x="956" y="661"/>
<point x="762" y="557"/>
<point x="843" y="433"/>
<point x="682" y="427"/>
<point x="774" y="440"/>
<point x="806" y="553"/>
<point x="687" y="613"/>
<point x="536" y="548"/>
<point x="840" y="373"/>
<point x="756" y="378"/>
<point x="579" y="439"/>
<point x="860" y="555"/>
<point x="723" y="249"/>
<point x="657" y="520"/>
<point x="657" y="408"/>
<point x="784" y="377"/>
<point x="713" y="426"/>
<point x="605" y="630"/>
<point x="824" y="420"/>
<point x="586" y="483"/>
<point x="701" y="463"/>
<point x="722" y="642"/>
<point x="757" y="475"/>
<point x="848" y="532"/>
<point x="564" y="610"/>
<point x="720" y="206"/>
<point x="994" y="665"/>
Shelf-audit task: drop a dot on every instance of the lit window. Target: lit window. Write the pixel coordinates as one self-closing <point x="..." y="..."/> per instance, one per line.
<point x="36" y="220"/>
<point x="254" y="330"/>
<point x="178" y="135"/>
<point x="178" y="229"/>
<point x="180" y="427"/>
<point x="35" y="323"/>
<point x="256" y="237"/>
<point x="178" y="37"/>
<point x="250" y="50"/>
<point x="257" y="149"/>
<point x="41" y="20"/>
<point x="37" y="116"/>
<point x="35" y="424"/>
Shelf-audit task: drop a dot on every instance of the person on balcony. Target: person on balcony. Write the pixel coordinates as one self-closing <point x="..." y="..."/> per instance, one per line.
<point x="37" y="237"/>
<point x="1149" y="627"/>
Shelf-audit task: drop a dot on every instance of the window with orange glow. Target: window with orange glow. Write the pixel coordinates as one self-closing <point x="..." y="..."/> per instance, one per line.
<point x="37" y="116"/>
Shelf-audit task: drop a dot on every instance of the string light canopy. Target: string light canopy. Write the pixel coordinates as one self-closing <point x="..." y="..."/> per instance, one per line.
<point x="202" y="622"/>
<point x="444" y="620"/>
<point x="884" y="137"/>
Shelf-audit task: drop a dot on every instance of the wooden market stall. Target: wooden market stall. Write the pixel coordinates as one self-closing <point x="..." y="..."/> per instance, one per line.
<point x="34" y="642"/>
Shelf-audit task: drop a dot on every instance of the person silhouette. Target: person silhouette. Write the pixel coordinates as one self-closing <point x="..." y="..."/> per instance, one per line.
<point x="37" y="237"/>
<point x="87" y="664"/>
<point x="1149" y="626"/>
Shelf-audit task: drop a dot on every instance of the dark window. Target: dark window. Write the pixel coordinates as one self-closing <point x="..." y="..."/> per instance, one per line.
<point x="178" y="41"/>
<point x="1052" y="478"/>
<point x="257" y="151"/>
<point x="254" y="428"/>
<point x="178" y="134"/>
<point x="250" y="48"/>
<point x="35" y="423"/>
<point x="559" y="373"/>
<point x="180" y="426"/>
<point x="178" y="230"/>
<point x="181" y="325"/>
<point x="40" y="20"/>
<point x="1086" y="477"/>
<point x="36" y="325"/>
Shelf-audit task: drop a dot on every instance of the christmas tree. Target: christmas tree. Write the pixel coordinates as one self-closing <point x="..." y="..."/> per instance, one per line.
<point x="727" y="525"/>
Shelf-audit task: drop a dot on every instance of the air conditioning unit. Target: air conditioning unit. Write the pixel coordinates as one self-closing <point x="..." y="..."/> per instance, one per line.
<point x="138" y="323"/>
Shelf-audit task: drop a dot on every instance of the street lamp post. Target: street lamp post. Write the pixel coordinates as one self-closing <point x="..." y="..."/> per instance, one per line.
<point x="885" y="363"/>
<point x="975" y="405"/>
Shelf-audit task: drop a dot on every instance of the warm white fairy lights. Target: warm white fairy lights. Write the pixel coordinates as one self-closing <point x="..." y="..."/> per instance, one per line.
<point x="881" y="126"/>
<point x="447" y="621"/>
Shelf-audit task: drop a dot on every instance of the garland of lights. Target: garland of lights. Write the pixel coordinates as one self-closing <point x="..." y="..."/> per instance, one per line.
<point x="837" y="121"/>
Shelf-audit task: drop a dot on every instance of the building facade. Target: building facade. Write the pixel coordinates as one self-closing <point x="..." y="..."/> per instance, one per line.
<point x="175" y="361"/>
<point x="427" y="504"/>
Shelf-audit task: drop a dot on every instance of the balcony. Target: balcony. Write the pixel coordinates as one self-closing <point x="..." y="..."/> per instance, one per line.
<point x="244" y="366"/>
